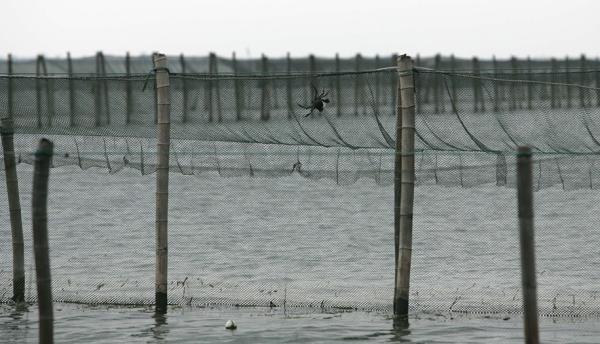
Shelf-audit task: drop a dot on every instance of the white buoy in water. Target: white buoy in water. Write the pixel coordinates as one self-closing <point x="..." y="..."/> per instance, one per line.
<point x="230" y="325"/>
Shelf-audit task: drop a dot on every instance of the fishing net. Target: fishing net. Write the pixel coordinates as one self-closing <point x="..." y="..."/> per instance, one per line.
<point x="252" y="240"/>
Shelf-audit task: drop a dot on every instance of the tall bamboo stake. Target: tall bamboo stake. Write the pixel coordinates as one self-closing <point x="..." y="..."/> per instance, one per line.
<point x="288" y="85"/>
<point x="338" y="85"/>
<point x="38" y="89"/>
<point x="71" y="91"/>
<point x="214" y="69"/>
<point x="12" y="188"/>
<point x="236" y="88"/>
<point x="394" y="86"/>
<point x="404" y="184"/>
<point x="162" y="179"/>
<point x="128" y="100"/>
<point x="184" y="90"/>
<point x="526" y="234"/>
<point x="582" y="80"/>
<point x="357" y="83"/>
<point x="568" y="80"/>
<point x="265" y="104"/>
<point x="496" y="85"/>
<point x="39" y="219"/>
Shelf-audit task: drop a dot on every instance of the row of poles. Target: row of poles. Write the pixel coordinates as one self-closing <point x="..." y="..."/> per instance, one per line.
<point x="433" y="90"/>
<point x="404" y="182"/>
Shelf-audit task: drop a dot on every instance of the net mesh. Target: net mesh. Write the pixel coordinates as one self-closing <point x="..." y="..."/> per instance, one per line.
<point x="256" y="241"/>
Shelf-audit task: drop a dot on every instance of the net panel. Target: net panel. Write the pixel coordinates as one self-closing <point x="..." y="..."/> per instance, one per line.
<point x="248" y="239"/>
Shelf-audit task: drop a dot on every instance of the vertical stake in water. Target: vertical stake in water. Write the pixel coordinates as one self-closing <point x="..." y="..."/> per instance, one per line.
<point x="236" y="88"/>
<point x="184" y="91"/>
<point x="214" y="70"/>
<point x="39" y="220"/>
<point x="338" y="85"/>
<point x="525" y="204"/>
<point x="404" y="183"/>
<point x="265" y="103"/>
<point x="12" y="188"/>
<point x="71" y="90"/>
<point x="162" y="179"/>
<point x="357" y="84"/>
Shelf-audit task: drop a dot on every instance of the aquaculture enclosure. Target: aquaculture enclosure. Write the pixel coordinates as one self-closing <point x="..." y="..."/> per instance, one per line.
<point x="252" y="240"/>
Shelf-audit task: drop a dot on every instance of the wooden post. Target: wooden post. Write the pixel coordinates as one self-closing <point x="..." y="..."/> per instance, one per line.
<point x="526" y="234"/>
<point x="568" y="81"/>
<point x="71" y="90"/>
<point x="162" y="179"/>
<point x="357" y="83"/>
<point x="236" y="88"/>
<point x="436" y="84"/>
<point x="529" y="85"/>
<point x="453" y="70"/>
<point x="377" y="83"/>
<point x="394" y="86"/>
<point x="338" y="85"/>
<point x="98" y="92"/>
<point x="597" y="81"/>
<point x="582" y="80"/>
<point x="554" y="95"/>
<point x="214" y="70"/>
<point x="39" y="221"/>
<point x="38" y="89"/>
<point x="184" y="90"/>
<point x="209" y="90"/>
<point x="12" y="188"/>
<point x="288" y="85"/>
<point x="404" y="182"/>
<point x="496" y="85"/>
<point x="478" y="102"/>
<point x="128" y="100"/>
<point x="265" y="104"/>
<point x="513" y="91"/>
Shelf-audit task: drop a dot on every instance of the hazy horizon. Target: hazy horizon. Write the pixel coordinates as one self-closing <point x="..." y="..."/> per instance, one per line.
<point x="464" y="28"/>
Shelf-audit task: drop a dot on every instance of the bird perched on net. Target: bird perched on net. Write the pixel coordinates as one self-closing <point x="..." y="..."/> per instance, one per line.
<point x="318" y="102"/>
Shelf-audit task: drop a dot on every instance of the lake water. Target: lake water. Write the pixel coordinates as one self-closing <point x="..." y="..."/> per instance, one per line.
<point x="311" y="245"/>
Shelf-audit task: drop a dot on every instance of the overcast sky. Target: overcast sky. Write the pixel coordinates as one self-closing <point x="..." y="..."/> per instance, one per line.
<point x="484" y="28"/>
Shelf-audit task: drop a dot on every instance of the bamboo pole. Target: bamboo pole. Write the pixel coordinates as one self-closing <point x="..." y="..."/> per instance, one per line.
<point x="526" y="234"/>
<point x="357" y="83"/>
<point x="128" y="91"/>
<point x="12" y="188"/>
<point x="568" y="81"/>
<point x="377" y="83"/>
<point x="236" y="88"/>
<point x="288" y="85"/>
<point x="404" y="184"/>
<point x="38" y="90"/>
<point x="265" y="105"/>
<point x="71" y="90"/>
<point x="513" y="86"/>
<point x="184" y="90"/>
<point x="582" y="80"/>
<point x="529" y="85"/>
<point x="597" y="80"/>
<point x="394" y="86"/>
<point x="338" y="85"/>
<point x="214" y="69"/>
<point x="105" y="88"/>
<point x="554" y="95"/>
<point x="209" y="90"/>
<point x="39" y="219"/>
<point x="162" y="179"/>
<point x="496" y="85"/>
<point x="436" y="84"/>
<point x="98" y="92"/>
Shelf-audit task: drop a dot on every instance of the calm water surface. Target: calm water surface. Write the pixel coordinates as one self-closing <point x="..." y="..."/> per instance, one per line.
<point x="103" y="324"/>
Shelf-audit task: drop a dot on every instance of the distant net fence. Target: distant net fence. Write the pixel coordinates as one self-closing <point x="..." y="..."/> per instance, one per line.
<point x="265" y="242"/>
